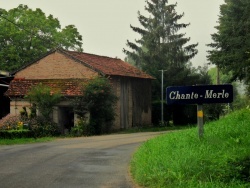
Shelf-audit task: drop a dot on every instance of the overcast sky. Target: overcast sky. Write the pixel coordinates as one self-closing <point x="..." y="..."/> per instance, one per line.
<point x="105" y="24"/>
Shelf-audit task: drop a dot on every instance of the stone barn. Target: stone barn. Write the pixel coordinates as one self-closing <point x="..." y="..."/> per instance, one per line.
<point x="63" y="70"/>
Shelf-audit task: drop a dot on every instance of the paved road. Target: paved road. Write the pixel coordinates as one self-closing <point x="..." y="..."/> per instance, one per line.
<point x="91" y="162"/>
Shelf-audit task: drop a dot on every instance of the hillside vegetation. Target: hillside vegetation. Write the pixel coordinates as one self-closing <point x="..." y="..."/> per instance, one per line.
<point x="181" y="159"/>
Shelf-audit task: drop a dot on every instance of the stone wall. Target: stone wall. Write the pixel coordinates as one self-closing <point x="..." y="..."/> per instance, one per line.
<point x="16" y="106"/>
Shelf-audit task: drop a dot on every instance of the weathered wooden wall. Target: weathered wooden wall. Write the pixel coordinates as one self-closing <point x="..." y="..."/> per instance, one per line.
<point x="141" y="97"/>
<point x="134" y="104"/>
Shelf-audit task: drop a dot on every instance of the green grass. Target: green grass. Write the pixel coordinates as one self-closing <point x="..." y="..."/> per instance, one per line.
<point x="24" y="140"/>
<point x="180" y="159"/>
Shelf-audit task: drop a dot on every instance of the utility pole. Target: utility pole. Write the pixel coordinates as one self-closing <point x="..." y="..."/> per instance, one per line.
<point x="162" y="109"/>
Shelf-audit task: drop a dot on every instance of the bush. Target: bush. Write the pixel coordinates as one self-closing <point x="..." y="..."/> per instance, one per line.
<point x="98" y="99"/>
<point x="12" y="125"/>
<point x="43" y="128"/>
<point x="82" y="129"/>
<point x="11" y="122"/>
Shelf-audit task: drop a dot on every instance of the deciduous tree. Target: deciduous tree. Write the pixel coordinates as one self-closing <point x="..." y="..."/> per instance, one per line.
<point x="27" y="34"/>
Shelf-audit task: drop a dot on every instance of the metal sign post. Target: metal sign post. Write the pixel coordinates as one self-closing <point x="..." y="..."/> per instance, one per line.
<point x="162" y="108"/>
<point x="200" y="120"/>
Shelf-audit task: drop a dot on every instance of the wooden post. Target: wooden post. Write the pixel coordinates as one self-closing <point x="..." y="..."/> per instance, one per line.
<point x="200" y="120"/>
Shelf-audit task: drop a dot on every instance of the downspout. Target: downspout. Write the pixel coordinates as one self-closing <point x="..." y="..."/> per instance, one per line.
<point x="4" y="85"/>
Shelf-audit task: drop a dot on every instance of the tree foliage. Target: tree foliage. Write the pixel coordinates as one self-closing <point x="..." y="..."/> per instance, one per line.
<point x="223" y="78"/>
<point x="214" y="111"/>
<point x="27" y="34"/>
<point x="98" y="99"/>
<point x="44" y="99"/>
<point x="162" y="46"/>
<point x="231" y="44"/>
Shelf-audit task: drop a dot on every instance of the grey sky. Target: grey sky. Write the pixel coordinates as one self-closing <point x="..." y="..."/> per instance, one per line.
<point x="105" y="24"/>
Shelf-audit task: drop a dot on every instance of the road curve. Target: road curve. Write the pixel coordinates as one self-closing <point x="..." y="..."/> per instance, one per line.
<point x="86" y="162"/>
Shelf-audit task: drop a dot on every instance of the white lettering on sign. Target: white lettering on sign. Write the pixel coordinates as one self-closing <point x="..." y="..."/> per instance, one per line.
<point x="201" y="94"/>
<point x="173" y="95"/>
<point x="210" y="94"/>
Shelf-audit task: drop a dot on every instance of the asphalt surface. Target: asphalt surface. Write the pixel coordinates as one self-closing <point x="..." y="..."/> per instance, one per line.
<point x="88" y="162"/>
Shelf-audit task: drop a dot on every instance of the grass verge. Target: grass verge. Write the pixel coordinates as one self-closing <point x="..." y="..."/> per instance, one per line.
<point x="180" y="159"/>
<point x="24" y="140"/>
<point x="151" y="129"/>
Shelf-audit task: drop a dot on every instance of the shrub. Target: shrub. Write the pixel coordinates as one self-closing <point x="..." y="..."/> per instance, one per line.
<point x="14" y="126"/>
<point x="99" y="99"/>
<point x="82" y="129"/>
<point x="11" y="122"/>
<point x="41" y="127"/>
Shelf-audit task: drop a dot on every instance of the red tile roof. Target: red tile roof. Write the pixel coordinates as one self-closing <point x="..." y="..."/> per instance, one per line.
<point x="70" y="87"/>
<point x="107" y="65"/>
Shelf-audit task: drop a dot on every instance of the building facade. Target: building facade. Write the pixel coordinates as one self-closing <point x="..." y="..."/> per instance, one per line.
<point x="64" y="71"/>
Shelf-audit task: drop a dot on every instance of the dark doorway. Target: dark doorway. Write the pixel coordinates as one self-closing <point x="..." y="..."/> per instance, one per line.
<point x="4" y="103"/>
<point x="66" y="118"/>
<point x="5" y="80"/>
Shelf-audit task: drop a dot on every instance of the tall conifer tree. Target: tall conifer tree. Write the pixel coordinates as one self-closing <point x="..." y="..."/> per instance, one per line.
<point x="162" y="46"/>
<point x="231" y="43"/>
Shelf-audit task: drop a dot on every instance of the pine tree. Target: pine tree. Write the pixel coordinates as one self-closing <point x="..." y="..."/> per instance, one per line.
<point x="231" y="43"/>
<point x="162" y="46"/>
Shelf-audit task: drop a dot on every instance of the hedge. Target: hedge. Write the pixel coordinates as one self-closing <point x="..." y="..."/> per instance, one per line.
<point x="12" y="134"/>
